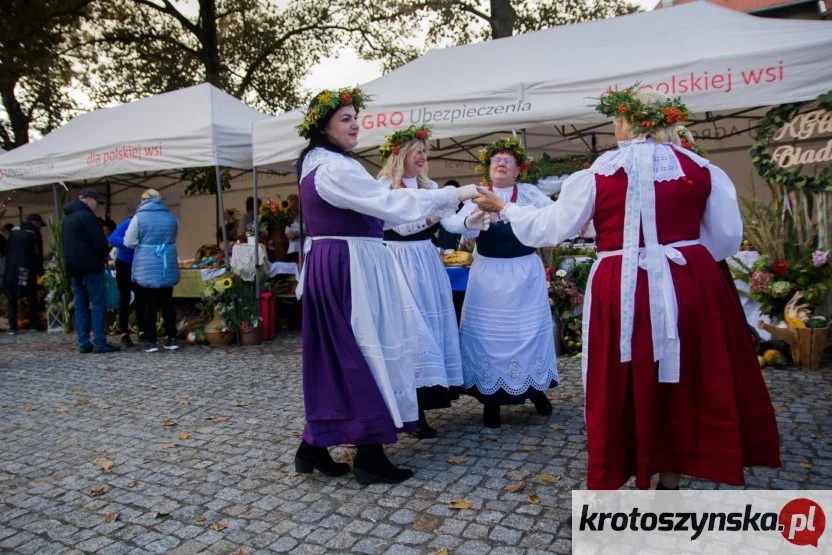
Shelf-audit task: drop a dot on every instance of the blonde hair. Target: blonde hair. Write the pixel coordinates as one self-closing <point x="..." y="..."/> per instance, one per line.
<point x="658" y="134"/>
<point x="151" y="193"/>
<point x="394" y="167"/>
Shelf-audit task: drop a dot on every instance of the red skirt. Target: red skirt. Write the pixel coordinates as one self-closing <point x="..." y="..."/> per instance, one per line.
<point x="715" y="421"/>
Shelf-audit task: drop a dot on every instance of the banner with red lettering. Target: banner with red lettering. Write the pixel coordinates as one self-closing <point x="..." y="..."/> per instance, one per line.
<point x="714" y="58"/>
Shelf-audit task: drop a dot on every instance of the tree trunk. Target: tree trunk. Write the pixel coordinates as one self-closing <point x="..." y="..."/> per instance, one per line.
<point x="503" y="17"/>
<point x="210" y="47"/>
<point x="17" y="117"/>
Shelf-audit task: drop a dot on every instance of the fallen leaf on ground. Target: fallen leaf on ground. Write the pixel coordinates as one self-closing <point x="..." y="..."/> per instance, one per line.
<point x="210" y="418"/>
<point x="528" y="448"/>
<point x="95" y="491"/>
<point x="297" y="433"/>
<point x="62" y="409"/>
<point x="184" y="402"/>
<point x="533" y="499"/>
<point x="130" y="484"/>
<point x="161" y="514"/>
<point x="240" y="552"/>
<point x="184" y="435"/>
<point x="169" y="422"/>
<point x="219" y="526"/>
<point x="292" y="474"/>
<point x="109" y="369"/>
<point x="493" y="438"/>
<point x="549" y="478"/>
<point x="806" y="465"/>
<point x="516" y="486"/>
<point x="458" y="459"/>
<point x="223" y="418"/>
<point x="153" y="386"/>
<point x="459" y="504"/>
<point x="30" y="409"/>
<point x="239" y="403"/>
<point x="76" y="391"/>
<point x="558" y="427"/>
<point x="106" y="465"/>
<point x="427" y="523"/>
<point x="105" y="406"/>
<point x="168" y="445"/>
<point x="442" y="552"/>
<point x="200" y="518"/>
<point x="817" y="436"/>
<point x="111" y="517"/>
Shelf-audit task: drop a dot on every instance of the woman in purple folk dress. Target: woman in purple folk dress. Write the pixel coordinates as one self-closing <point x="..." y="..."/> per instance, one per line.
<point x="361" y="327"/>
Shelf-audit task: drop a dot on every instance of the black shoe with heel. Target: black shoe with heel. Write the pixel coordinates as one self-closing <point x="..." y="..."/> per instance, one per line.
<point x="371" y="465"/>
<point x="309" y="458"/>
<point x="424" y="431"/>
<point x="542" y="404"/>
<point x="491" y="416"/>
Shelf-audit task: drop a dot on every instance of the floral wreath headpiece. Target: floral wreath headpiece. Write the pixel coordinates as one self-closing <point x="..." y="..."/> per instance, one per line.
<point x="504" y="144"/>
<point x="686" y="140"/>
<point x="393" y="143"/>
<point x="326" y="103"/>
<point x="624" y="105"/>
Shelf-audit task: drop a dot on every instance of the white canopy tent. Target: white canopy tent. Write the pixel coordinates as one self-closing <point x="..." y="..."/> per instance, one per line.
<point x="720" y="60"/>
<point x="193" y="127"/>
<point x="198" y="126"/>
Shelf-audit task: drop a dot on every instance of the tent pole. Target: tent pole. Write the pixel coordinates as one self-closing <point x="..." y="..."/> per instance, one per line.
<point x="256" y="243"/>
<point x="221" y="210"/>
<point x="55" y="199"/>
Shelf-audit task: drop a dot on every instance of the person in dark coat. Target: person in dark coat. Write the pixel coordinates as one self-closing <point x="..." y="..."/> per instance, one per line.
<point x="85" y="250"/>
<point x="24" y="263"/>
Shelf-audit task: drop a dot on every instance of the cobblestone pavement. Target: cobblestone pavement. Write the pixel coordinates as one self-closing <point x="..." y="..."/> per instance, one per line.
<point x="193" y="451"/>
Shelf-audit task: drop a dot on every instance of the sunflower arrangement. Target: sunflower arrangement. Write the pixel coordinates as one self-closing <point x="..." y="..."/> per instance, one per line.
<point x="276" y="214"/>
<point x="504" y="144"/>
<point x="326" y="103"/>
<point x="624" y="105"/>
<point x="234" y="299"/>
<point x="393" y="143"/>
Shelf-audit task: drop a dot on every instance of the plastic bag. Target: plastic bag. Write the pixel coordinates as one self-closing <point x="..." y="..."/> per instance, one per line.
<point x="111" y="287"/>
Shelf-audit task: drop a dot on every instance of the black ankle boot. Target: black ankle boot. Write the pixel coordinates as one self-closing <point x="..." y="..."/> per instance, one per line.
<point x="542" y="404"/>
<point x="371" y="465"/>
<point x="424" y="431"/>
<point x="661" y="486"/>
<point x="491" y="416"/>
<point x="310" y="457"/>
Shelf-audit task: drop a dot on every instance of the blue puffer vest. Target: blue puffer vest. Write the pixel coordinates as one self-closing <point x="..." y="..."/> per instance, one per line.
<point x="155" y="264"/>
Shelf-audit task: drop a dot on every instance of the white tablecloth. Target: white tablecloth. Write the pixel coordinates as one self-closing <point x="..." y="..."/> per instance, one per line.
<point x="750" y="306"/>
<point x="289" y="268"/>
<point x="243" y="263"/>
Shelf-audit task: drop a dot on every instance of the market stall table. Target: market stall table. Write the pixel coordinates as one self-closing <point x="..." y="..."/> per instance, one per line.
<point x="192" y="281"/>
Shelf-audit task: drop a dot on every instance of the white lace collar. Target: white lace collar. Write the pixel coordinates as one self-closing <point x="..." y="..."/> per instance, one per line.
<point x="666" y="165"/>
<point x="318" y="156"/>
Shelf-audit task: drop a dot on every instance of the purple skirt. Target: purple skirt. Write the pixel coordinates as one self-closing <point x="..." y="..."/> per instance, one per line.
<point x="342" y="401"/>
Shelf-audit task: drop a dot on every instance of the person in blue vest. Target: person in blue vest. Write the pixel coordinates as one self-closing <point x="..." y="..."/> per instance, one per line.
<point x="152" y="233"/>
<point x="124" y="279"/>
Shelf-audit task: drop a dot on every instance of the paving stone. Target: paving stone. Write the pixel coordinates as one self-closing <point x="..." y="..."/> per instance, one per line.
<point x="241" y="407"/>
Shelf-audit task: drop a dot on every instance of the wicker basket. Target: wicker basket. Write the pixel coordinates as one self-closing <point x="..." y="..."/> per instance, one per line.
<point x="219" y="338"/>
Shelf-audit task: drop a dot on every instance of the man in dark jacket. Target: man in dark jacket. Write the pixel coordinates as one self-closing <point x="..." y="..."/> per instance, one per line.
<point x="24" y="263"/>
<point x="85" y="250"/>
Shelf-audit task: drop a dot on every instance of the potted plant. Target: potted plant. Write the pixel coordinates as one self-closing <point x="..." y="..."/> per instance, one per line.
<point x="275" y="215"/>
<point x="219" y="297"/>
<point x="56" y="281"/>
<point x="566" y="301"/>
<point x="245" y="318"/>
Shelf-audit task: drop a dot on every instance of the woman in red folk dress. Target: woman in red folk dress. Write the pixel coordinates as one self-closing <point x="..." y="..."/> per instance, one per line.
<point x="671" y="379"/>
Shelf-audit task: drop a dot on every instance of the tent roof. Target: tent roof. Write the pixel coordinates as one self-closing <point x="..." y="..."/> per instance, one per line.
<point x="731" y="60"/>
<point x="191" y="127"/>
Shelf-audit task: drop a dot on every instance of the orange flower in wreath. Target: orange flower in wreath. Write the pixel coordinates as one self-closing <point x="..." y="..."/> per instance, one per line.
<point x="673" y="114"/>
<point x="622" y="108"/>
<point x="422" y="134"/>
<point x="346" y="98"/>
